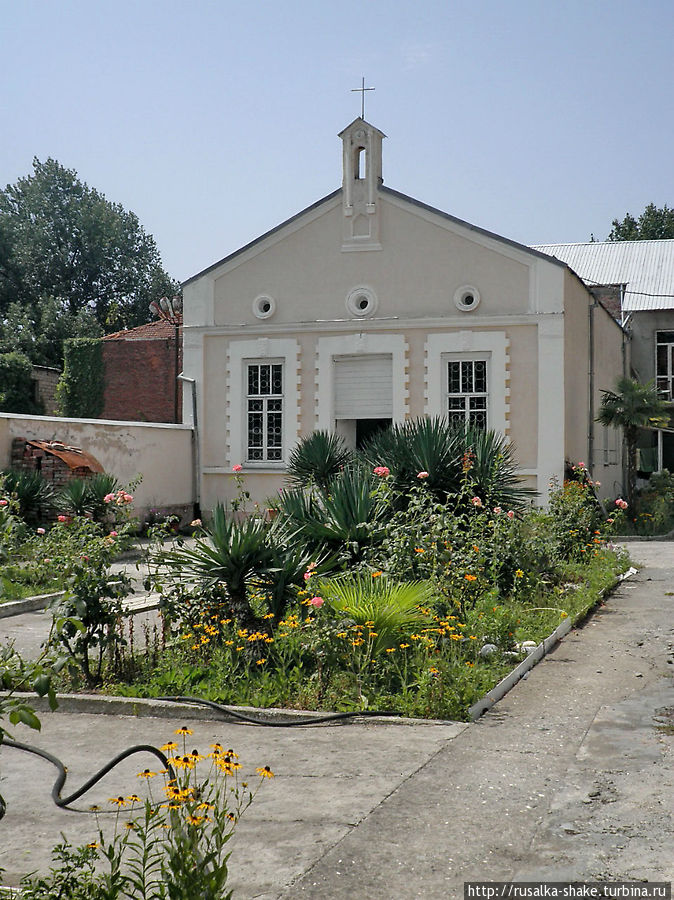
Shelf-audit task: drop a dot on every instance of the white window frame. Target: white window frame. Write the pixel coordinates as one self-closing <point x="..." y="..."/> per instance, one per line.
<point x="669" y="374"/>
<point x="466" y="396"/>
<point x="490" y="345"/>
<point x="262" y="351"/>
<point x="268" y="454"/>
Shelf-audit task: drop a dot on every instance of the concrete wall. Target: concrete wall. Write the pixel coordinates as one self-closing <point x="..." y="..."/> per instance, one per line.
<point x="162" y="454"/>
<point x="47" y="378"/>
<point x="643" y="325"/>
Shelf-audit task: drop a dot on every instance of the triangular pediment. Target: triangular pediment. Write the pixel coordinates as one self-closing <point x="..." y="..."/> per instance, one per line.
<point x="360" y="123"/>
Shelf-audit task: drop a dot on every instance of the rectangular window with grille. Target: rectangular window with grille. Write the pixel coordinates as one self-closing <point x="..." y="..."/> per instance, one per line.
<point x="664" y="363"/>
<point x="264" y="411"/>
<point x="467" y="393"/>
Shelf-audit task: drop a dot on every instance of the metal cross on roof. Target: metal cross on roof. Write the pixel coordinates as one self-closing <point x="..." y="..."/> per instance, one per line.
<point x="361" y="90"/>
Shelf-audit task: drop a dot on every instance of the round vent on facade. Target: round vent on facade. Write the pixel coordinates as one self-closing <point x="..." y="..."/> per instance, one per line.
<point x="467" y="298"/>
<point x="264" y="306"/>
<point x="361" y="302"/>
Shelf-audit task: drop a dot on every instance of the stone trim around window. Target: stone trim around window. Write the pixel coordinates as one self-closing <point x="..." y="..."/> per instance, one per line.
<point x="489" y="345"/>
<point x="263" y="350"/>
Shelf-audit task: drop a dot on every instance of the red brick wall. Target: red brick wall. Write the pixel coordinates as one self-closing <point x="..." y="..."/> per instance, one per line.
<point x="140" y="380"/>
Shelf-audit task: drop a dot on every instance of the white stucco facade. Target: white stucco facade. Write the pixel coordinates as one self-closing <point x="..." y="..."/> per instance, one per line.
<point x="371" y="300"/>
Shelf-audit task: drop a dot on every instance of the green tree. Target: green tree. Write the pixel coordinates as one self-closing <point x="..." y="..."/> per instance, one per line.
<point x="80" y="392"/>
<point x="632" y="406"/>
<point x="16" y="390"/>
<point x="64" y="247"/>
<point x="653" y="224"/>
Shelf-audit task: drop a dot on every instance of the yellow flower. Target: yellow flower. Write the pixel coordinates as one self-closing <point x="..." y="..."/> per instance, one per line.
<point x="404" y="646"/>
<point x="93" y="845"/>
<point x="419" y="550"/>
<point x="134" y="798"/>
<point x="183" y="730"/>
<point x="119" y="802"/>
<point x="519" y="573"/>
<point x="146" y="774"/>
<point x="470" y="577"/>
<point x="265" y="772"/>
<point x="260" y="662"/>
<point x="390" y="649"/>
<point x="268" y="616"/>
<point x="376" y="574"/>
<point x="195" y="820"/>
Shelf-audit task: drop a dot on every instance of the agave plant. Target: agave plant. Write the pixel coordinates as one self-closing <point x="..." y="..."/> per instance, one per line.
<point x="32" y="492"/>
<point x="394" y="609"/>
<point x="317" y="459"/>
<point x="494" y="469"/>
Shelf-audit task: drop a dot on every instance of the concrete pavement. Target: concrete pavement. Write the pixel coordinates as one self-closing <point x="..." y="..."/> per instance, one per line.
<point x="569" y="776"/>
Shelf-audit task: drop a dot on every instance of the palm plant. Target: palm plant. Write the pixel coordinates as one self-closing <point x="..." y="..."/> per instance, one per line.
<point x="394" y="609"/>
<point x="317" y="459"/>
<point x="632" y="406"/>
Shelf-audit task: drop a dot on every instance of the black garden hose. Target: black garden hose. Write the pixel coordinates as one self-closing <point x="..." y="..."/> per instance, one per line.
<point x="227" y="711"/>
<point x="64" y="802"/>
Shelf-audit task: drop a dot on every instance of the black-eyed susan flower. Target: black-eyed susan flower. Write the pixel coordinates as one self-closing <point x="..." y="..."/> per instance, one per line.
<point x="171" y="745"/>
<point x="119" y="802"/>
<point x="264" y="772"/>
<point x="146" y="773"/>
<point x="134" y="798"/>
<point x="183" y="730"/>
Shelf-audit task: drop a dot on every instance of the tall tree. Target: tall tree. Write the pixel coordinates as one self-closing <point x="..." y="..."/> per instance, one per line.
<point x="630" y="407"/>
<point x="653" y="224"/>
<point x="64" y="245"/>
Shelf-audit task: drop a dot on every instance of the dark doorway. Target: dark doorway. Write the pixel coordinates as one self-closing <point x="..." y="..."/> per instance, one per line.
<point x="366" y="428"/>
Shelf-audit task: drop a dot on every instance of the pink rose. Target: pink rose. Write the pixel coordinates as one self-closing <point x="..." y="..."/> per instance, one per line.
<point x="317" y="602"/>
<point x="422" y="475"/>
<point x="510" y="514"/>
<point x="476" y="502"/>
<point x="498" y="510"/>
<point x="62" y="518"/>
<point x="40" y="531"/>
<point x="237" y="468"/>
<point x="381" y="471"/>
<point x="3" y="502"/>
<point x="113" y="534"/>
<point x="46" y="560"/>
<point x="127" y="498"/>
<point x="620" y="503"/>
<point x="108" y="498"/>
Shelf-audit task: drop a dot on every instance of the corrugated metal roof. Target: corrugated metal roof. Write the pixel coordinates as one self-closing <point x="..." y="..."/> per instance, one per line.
<point x="645" y="267"/>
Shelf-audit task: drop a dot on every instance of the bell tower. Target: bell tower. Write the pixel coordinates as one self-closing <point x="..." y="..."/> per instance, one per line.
<point x="361" y="177"/>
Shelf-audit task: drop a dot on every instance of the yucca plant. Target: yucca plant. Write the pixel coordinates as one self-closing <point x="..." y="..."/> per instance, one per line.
<point x="232" y="553"/>
<point x="74" y="499"/>
<point x="317" y="459"/>
<point x="99" y="486"/>
<point x="494" y="469"/>
<point x="32" y="492"/>
<point x="348" y="517"/>
<point x="394" y="609"/>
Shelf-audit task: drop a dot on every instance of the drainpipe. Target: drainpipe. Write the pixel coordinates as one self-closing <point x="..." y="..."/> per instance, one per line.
<point x="590" y="405"/>
<point x="196" y="463"/>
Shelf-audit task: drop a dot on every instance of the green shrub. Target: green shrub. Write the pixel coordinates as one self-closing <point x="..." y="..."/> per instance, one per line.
<point x="80" y="389"/>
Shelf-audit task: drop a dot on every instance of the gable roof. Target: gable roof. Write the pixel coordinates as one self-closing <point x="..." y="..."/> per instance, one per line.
<point x="158" y="330"/>
<point x="530" y="251"/>
<point x="645" y="267"/>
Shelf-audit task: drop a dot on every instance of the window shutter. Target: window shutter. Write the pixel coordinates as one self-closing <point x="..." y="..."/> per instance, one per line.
<point x="364" y="387"/>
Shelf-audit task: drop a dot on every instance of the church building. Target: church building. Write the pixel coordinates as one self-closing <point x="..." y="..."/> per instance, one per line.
<point x="370" y="307"/>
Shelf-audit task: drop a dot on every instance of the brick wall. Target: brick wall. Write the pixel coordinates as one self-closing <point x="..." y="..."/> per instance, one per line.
<point x="140" y="380"/>
<point x="46" y="380"/>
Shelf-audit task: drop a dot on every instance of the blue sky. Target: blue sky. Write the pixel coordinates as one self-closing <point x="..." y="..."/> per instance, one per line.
<point x="215" y="121"/>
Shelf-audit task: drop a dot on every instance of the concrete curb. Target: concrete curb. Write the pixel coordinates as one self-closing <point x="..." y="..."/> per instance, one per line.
<point x="29" y="604"/>
<point x="140" y="707"/>
<point x="499" y="691"/>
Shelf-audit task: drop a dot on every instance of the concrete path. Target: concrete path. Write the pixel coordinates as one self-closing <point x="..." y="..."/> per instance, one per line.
<point x="569" y="776"/>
